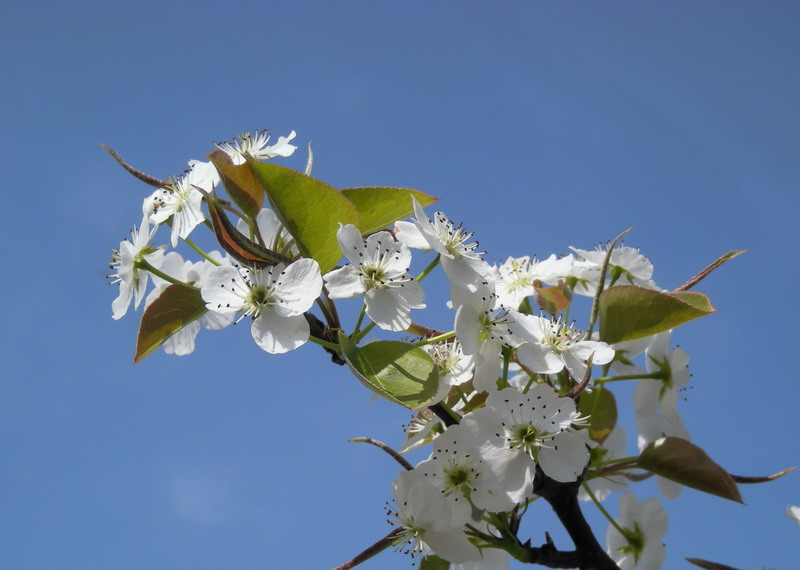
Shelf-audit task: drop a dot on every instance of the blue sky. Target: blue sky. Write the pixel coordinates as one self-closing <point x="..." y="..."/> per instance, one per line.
<point x="540" y="125"/>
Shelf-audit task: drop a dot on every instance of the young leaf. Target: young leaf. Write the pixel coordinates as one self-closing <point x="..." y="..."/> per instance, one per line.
<point x="236" y="243"/>
<point x="398" y="371"/>
<point x="240" y="182"/>
<point x="601" y="407"/>
<point x="177" y="306"/>
<point x="628" y="312"/>
<point x="433" y="562"/>
<point x="309" y="209"/>
<point x="685" y="463"/>
<point x="380" y="207"/>
<point x="146" y="178"/>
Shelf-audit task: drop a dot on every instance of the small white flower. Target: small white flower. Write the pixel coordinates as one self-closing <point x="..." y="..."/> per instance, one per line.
<point x="181" y="201"/>
<point x="613" y="447"/>
<point x="425" y="519"/>
<point x="378" y="269"/>
<point x="515" y="431"/>
<point x="461" y="262"/>
<point x="483" y="328"/>
<point x="255" y="146"/>
<point x="453" y="366"/>
<point x="662" y="393"/>
<point x="132" y="279"/>
<point x="645" y="526"/>
<point x="626" y="264"/>
<point x="553" y="345"/>
<point x="276" y="297"/>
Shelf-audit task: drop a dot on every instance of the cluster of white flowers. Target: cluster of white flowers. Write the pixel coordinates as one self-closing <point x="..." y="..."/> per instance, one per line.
<point x="506" y="429"/>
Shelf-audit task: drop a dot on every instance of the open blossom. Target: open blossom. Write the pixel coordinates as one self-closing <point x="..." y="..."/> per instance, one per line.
<point x="644" y="525"/>
<point x="425" y="520"/>
<point x="661" y="393"/>
<point x="483" y="328"/>
<point x="132" y="279"/>
<point x="276" y="297"/>
<point x="462" y="264"/>
<point x="255" y="146"/>
<point x="514" y="432"/>
<point x="553" y="345"/>
<point x="181" y="200"/>
<point x="452" y="365"/>
<point x="378" y="269"/>
<point x="626" y="264"/>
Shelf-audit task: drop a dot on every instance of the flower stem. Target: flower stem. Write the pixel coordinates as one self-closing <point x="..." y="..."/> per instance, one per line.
<point x="654" y="375"/>
<point x="195" y="247"/>
<point x="435" y="339"/>
<point x="428" y="269"/>
<point x="144" y="264"/>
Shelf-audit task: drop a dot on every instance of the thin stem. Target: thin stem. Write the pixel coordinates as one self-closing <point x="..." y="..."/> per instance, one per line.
<point x="144" y="264"/>
<point x="373" y="550"/>
<point x="435" y="339"/>
<point x="360" y="319"/>
<point x="195" y="247"/>
<point x="603" y="510"/>
<point x="357" y="338"/>
<point x="379" y="444"/>
<point x="654" y="375"/>
<point x="601" y="284"/>
<point x="428" y="269"/>
<point x="325" y="343"/>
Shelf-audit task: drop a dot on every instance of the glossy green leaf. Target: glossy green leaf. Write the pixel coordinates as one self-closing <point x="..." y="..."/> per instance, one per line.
<point x="601" y="407"/>
<point x="398" y="371"/>
<point x="177" y="306"/>
<point x="380" y="207"/>
<point x="240" y="182"/>
<point x="628" y="312"/>
<point x="685" y="463"/>
<point x="309" y="209"/>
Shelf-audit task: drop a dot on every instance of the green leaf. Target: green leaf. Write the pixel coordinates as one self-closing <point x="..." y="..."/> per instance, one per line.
<point x="433" y="562"/>
<point x="380" y="207"/>
<point x="309" y="209"/>
<point x="241" y="183"/>
<point x="398" y="371"/>
<point x="708" y="565"/>
<point x="685" y="463"/>
<point x="601" y="407"/>
<point x="628" y="312"/>
<point x="177" y="306"/>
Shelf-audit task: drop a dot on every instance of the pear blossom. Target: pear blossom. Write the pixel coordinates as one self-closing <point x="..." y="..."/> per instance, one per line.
<point x="625" y="262"/>
<point x="276" y="297"/>
<point x="652" y="394"/>
<point x="579" y="275"/>
<point x="517" y="274"/>
<point x="464" y="267"/>
<point x="255" y="146"/>
<point x="550" y="346"/>
<point x="457" y="470"/>
<point x="656" y="426"/>
<point x="133" y="279"/>
<point x="181" y="200"/>
<point x="378" y="269"/>
<point x="515" y="431"/>
<point x="644" y="527"/>
<point x="425" y="520"/>
<point x="482" y="327"/>
<point x="453" y="366"/>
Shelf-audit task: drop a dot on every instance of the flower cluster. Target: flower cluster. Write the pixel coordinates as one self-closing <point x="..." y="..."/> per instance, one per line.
<point x="509" y="398"/>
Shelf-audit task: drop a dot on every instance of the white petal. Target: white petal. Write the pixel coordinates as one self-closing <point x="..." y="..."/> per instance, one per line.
<point x="350" y="241"/>
<point x="410" y="235"/>
<point x="298" y="287"/>
<point x="539" y="358"/>
<point x="344" y="283"/>
<point x="385" y="307"/>
<point x="217" y="291"/>
<point x="566" y="459"/>
<point x="277" y="334"/>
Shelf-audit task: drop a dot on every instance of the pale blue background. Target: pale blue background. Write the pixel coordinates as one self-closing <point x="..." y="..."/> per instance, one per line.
<point x="539" y="125"/>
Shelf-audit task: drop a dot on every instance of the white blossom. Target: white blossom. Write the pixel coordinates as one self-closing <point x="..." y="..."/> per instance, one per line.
<point x="276" y="297"/>
<point x="125" y="260"/>
<point x="645" y="526"/>
<point x="378" y="269"/>
<point x="255" y="146"/>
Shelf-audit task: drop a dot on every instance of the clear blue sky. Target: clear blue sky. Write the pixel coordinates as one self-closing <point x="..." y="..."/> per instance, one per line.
<point x="540" y="125"/>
